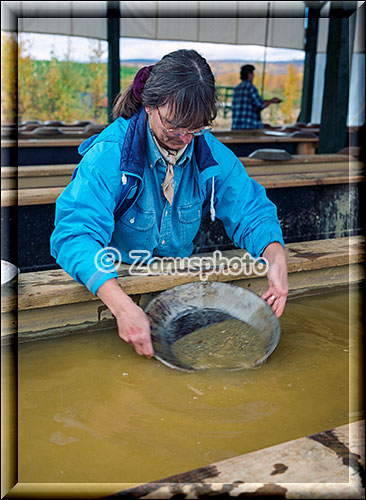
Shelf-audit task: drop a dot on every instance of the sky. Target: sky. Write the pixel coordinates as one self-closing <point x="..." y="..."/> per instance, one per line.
<point x="39" y="46"/>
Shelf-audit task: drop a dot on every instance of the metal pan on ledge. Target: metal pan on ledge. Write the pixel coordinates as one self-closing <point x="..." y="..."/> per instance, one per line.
<point x="8" y="272"/>
<point x="212" y="325"/>
<point x="271" y="154"/>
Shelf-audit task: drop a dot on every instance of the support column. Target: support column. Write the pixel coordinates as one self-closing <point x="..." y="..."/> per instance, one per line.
<point x="113" y="35"/>
<point x="333" y="126"/>
<point x="309" y="65"/>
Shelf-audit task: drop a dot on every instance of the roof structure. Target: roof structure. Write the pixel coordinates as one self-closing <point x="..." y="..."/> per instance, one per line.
<point x="231" y="22"/>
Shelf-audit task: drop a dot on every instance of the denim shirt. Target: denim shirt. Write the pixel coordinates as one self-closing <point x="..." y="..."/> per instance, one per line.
<point x="151" y="223"/>
<point x="92" y="214"/>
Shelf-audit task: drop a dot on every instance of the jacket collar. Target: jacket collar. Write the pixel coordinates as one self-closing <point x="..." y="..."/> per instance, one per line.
<point x="133" y="151"/>
<point x="134" y="147"/>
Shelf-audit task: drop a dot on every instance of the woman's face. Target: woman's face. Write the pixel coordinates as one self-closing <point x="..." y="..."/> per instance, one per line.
<point x="164" y="133"/>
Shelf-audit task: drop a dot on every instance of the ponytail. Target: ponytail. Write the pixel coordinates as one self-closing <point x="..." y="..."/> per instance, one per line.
<point x="126" y="104"/>
<point x="130" y="101"/>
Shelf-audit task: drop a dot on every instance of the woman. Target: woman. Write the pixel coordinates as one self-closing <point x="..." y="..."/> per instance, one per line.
<point x="145" y="182"/>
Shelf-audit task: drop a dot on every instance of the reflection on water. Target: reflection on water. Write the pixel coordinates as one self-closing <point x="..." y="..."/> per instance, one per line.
<point x="91" y="410"/>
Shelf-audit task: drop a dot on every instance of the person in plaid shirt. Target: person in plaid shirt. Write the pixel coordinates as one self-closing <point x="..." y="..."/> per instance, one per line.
<point x="247" y="104"/>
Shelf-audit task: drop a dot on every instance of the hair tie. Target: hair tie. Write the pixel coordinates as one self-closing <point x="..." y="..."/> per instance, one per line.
<point x="139" y="81"/>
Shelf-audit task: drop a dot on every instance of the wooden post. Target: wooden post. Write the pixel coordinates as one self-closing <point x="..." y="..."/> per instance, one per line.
<point x="113" y="34"/>
<point x="333" y="127"/>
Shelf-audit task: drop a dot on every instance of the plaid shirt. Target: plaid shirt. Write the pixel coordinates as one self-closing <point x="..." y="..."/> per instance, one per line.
<point x="246" y="107"/>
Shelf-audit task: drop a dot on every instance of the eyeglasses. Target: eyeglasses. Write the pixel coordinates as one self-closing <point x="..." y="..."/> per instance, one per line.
<point x="171" y="132"/>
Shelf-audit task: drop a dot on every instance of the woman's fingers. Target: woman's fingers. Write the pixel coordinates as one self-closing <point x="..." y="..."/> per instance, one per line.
<point x="137" y="334"/>
<point x="141" y="340"/>
<point x="275" y="300"/>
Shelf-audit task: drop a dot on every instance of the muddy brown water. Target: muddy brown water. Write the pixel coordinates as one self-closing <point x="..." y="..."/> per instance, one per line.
<point x="92" y="411"/>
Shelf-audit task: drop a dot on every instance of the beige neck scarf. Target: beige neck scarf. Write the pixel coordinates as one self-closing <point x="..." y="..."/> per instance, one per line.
<point x="171" y="157"/>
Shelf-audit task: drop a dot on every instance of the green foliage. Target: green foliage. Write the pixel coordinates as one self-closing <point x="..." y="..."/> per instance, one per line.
<point x="291" y="93"/>
<point x="66" y="90"/>
<point x="62" y="90"/>
<point x="9" y="54"/>
<point x="127" y="74"/>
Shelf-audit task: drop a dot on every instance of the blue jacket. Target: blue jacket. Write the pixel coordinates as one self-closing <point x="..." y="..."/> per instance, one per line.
<point x="110" y="203"/>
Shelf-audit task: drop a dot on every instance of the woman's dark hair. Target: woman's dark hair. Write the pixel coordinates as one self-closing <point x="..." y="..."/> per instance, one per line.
<point x="183" y="80"/>
<point x="245" y="70"/>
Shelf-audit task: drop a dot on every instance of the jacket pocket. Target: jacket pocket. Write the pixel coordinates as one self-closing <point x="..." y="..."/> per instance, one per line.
<point x="138" y="219"/>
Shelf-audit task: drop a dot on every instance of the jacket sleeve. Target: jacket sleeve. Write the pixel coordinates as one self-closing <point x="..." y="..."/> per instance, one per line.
<point x="249" y="217"/>
<point x="84" y="219"/>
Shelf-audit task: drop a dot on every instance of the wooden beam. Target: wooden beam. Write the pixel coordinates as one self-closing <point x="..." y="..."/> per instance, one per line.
<point x="300" y="159"/>
<point x="66" y="319"/>
<point x="37" y="170"/>
<point x="37" y="143"/>
<point x="226" y="139"/>
<point x="31" y="196"/>
<point x="258" y="139"/>
<point x="281" y="175"/>
<point x="51" y="288"/>
<point x="328" y="464"/>
<point x="67" y="169"/>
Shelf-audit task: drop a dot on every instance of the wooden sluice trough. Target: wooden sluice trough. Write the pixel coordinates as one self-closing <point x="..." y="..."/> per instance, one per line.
<point x="49" y="303"/>
<point x="57" y="143"/>
<point x="245" y="142"/>
<point x="63" y="148"/>
<point x="328" y="464"/>
<point x="324" y="465"/>
<point x="300" y="170"/>
<point x="317" y="197"/>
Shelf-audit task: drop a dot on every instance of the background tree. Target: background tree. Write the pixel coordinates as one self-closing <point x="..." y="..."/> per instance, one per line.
<point x="9" y="54"/>
<point x="292" y="94"/>
<point x="97" y="83"/>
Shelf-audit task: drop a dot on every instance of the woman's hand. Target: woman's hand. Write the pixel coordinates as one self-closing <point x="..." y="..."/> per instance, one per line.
<point x="133" y="324"/>
<point x="276" y="294"/>
<point x="134" y="328"/>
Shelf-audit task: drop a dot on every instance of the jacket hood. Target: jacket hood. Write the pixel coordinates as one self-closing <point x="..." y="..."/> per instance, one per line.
<point x="112" y="133"/>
